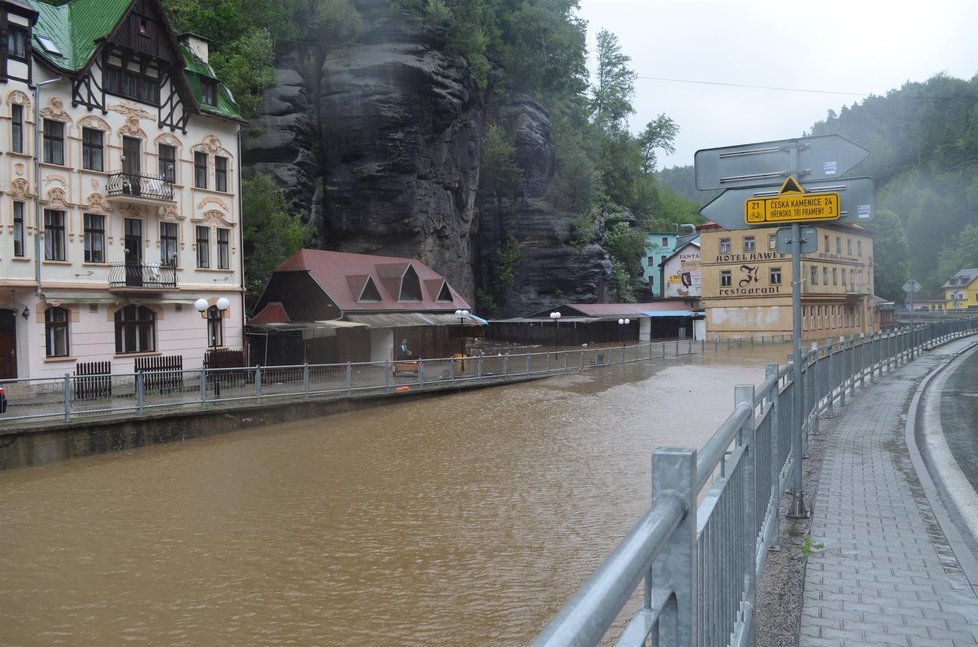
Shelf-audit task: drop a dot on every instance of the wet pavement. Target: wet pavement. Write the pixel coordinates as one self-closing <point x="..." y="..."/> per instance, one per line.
<point x="889" y="565"/>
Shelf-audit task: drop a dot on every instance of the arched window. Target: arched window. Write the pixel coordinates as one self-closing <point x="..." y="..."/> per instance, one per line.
<point x="215" y="327"/>
<point x="135" y="330"/>
<point x="56" y="332"/>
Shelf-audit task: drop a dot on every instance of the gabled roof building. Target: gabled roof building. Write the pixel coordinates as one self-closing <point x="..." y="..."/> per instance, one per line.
<point x="326" y="307"/>
<point x="119" y="190"/>
<point x="961" y="290"/>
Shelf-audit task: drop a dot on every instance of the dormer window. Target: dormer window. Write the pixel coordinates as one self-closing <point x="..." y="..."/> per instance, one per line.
<point x="17" y="43"/>
<point x="208" y="91"/>
<point x="141" y="84"/>
<point x="410" y="286"/>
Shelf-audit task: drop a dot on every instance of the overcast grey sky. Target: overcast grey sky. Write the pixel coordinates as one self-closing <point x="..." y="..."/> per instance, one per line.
<point x="838" y="51"/>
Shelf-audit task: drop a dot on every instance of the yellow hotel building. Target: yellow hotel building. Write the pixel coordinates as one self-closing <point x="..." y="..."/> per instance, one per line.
<point x="746" y="283"/>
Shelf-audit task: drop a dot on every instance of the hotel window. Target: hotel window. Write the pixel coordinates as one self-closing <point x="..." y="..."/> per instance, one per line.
<point x="54" y="235"/>
<point x="140" y="86"/>
<point x="224" y="249"/>
<point x="859" y="248"/>
<point x="849" y="246"/>
<point x="221" y="173"/>
<point x="775" y="276"/>
<point x="18" y="229"/>
<point x="135" y="330"/>
<point x="749" y="243"/>
<point x="835" y="276"/>
<point x="56" y="332"/>
<point x="92" y="149"/>
<point x="665" y="241"/>
<point x="825" y="276"/>
<point x="725" y="246"/>
<point x="838" y="245"/>
<point x="168" y="243"/>
<point x="650" y="261"/>
<point x="200" y="170"/>
<point x="826" y="246"/>
<point x="813" y="279"/>
<point x="203" y="246"/>
<point x="17" y="43"/>
<point x="168" y="163"/>
<point x="54" y="142"/>
<point x="94" y="238"/>
<point x="16" y="128"/>
<point x="725" y="278"/>
<point x="208" y="91"/>
<point x="772" y="241"/>
<point x="215" y="327"/>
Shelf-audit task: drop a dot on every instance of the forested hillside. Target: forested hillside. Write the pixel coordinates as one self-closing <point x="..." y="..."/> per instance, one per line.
<point x="923" y="143"/>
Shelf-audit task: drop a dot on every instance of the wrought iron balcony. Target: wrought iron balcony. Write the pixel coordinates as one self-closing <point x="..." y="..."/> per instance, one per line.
<point x="146" y="276"/>
<point x="139" y="188"/>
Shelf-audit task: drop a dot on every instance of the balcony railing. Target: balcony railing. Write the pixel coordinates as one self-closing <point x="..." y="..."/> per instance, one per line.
<point x="148" y="276"/>
<point x="145" y="187"/>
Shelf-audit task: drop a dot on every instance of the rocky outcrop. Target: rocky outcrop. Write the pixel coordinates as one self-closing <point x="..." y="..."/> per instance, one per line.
<point x="381" y="151"/>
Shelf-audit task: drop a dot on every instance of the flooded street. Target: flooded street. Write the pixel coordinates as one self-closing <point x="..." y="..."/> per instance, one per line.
<point x="467" y="519"/>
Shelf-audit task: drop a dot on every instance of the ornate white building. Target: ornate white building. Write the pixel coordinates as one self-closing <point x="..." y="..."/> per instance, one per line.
<point x="121" y="211"/>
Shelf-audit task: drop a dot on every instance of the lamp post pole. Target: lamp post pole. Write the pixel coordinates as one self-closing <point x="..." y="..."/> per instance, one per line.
<point x="555" y="316"/>
<point x="461" y="314"/>
<point x="622" y="323"/>
<point x="213" y="338"/>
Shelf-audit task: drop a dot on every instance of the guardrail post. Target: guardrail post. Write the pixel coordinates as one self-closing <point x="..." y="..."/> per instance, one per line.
<point x="258" y="384"/>
<point x="831" y="381"/>
<point x="203" y="386"/>
<point x="140" y="395"/>
<point x="349" y="378"/>
<point x="451" y="371"/>
<point x="672" y="579"/>
<point x="66" y="396"/>
<point x="479" y="367"/>
<point x="305" y="380"/>
<point x="773" y="539"/>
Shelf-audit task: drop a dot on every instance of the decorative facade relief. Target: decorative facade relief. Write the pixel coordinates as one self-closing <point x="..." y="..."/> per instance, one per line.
<point x="56" y="111"/>
<point x="19" y="189"/>
<point x="214" y="201"/>
<point x="19" y="98"/>
<point x="56" y="199"/>
<point x="170" y="213"/>
<point x="131" y="111"/>
<point x="131" y="128"/>
<point x="95" y="123"/>
<point x="169" y="140"/>
<point x="97" y="204"/>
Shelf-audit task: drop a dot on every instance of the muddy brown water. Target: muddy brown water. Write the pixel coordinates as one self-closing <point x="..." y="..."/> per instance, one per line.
<point x="462" y="520"/>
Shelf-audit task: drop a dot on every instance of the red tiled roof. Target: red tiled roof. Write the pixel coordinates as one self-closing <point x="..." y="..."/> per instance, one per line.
<point x="272" y="313"/>
<point x="342" y="276"/>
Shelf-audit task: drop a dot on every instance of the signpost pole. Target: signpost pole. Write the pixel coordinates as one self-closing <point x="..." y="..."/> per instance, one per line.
<point x="798" y="508"/>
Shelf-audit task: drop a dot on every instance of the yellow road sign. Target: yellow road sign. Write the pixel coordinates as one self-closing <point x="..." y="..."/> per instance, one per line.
<point x="792" y="205"/>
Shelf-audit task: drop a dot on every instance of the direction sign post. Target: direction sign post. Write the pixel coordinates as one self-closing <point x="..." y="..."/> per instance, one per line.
<point x="747" y="173"/>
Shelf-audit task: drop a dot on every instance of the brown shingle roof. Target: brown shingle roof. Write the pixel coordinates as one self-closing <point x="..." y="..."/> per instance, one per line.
<point x="342" y="276"/>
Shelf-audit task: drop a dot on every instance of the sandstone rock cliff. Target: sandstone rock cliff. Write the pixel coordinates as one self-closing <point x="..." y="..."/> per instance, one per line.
<point x="379" y="146"/>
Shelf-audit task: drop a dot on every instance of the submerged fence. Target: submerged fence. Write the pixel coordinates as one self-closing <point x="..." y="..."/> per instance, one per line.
<point x="700" y="548"/>
<point x="162" y="384"/>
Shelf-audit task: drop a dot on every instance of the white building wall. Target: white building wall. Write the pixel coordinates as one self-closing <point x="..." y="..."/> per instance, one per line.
<point x="83" y="288"/>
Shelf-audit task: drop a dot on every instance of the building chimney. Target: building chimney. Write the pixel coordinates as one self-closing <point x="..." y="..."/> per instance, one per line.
<point x="197" y="44"/>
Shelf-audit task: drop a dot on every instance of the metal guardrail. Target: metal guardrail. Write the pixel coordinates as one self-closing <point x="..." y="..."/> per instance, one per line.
<point x="701" y="553"/>
<point x="143" y="275"/>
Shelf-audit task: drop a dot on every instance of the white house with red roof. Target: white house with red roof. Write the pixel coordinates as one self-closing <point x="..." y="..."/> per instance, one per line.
<point x="326" y="307"/>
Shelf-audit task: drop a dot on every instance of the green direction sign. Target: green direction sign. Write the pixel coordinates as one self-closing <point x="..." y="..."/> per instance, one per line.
<point x="810" y="159"/>
<point x="854" y="200"/>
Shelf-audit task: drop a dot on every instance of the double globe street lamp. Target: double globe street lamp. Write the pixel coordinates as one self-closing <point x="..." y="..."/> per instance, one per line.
<point x="555" y="317"/>
<point x="621" y="324"/>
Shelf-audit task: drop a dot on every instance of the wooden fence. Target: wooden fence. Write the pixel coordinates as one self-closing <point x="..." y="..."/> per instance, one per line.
<point x="160" y="372"/>
<point x="93" y="380"/>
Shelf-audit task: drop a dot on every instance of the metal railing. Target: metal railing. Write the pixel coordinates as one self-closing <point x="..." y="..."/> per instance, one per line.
<point x="701" y="547"/>
<point x="74" y="397"/>
<point x="152" y="187"/>
<point x="156" y="276"/>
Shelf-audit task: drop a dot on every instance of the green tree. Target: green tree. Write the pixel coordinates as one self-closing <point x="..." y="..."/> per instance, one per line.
<point x="660" y="133"/>
<point x="962" y="255"/>
<point x="889" y="255"/>
<point x="271" y="234"/>
<point x="611" y="96"/>
<point x="499" y="167"/>
<point x="245" y="65"/>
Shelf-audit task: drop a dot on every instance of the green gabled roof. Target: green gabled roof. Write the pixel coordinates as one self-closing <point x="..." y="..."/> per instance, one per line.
<point x="76" y="29"/>
<point x="193" y="70"/>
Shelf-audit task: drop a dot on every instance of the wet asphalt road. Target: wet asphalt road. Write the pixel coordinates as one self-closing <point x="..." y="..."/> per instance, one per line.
<point x="959" y="416"/>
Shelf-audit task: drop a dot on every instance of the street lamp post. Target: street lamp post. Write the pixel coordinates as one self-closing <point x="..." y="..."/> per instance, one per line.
<point x="621" y="324"/>
<point x="461" y="314"/>
<point x="555" y="316"/>
<point x="203" y="307"/>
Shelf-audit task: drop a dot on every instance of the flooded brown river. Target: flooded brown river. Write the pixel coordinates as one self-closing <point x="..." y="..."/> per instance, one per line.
<point x="467" y="519"/>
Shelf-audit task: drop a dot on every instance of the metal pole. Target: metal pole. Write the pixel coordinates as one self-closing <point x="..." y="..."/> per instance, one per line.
<point x="798" y="508"/>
